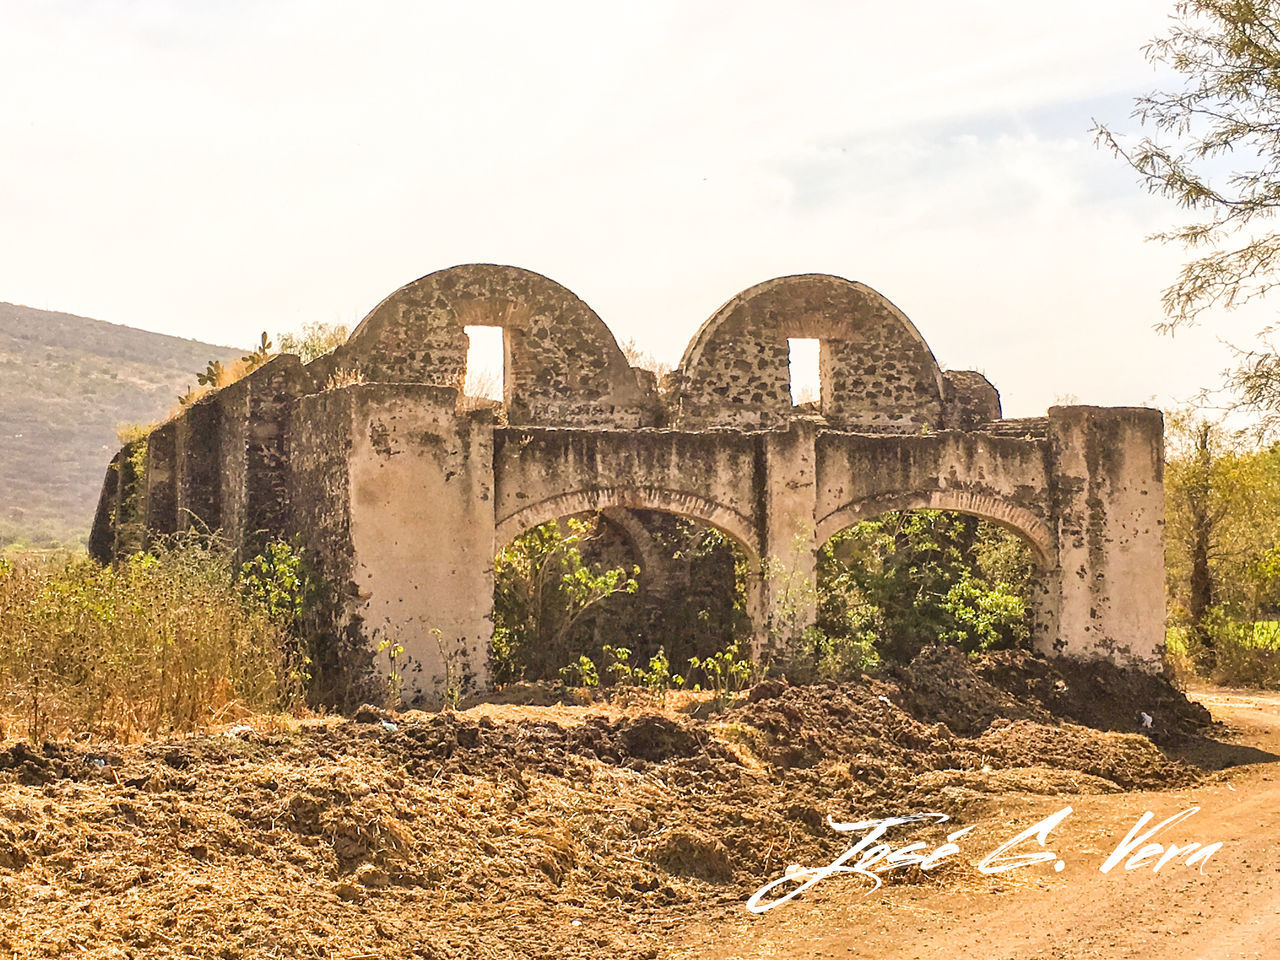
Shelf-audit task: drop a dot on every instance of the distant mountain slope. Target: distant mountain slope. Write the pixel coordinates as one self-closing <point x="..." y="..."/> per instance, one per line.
<point x="66" y="384"/>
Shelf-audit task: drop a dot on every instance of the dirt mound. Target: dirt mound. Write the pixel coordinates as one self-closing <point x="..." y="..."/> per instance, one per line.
<point x="1128" y="760"/>
<point x="691" y="854"/>
<point x="948" y="711"/>
<point x="968" y="694"/>
<point x="1095" y="693"/>
<point x="490" y="832"/>
<point x="944" y="685"/>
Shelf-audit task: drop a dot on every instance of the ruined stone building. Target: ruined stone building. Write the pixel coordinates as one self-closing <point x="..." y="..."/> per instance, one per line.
<point x="403" y="490"/>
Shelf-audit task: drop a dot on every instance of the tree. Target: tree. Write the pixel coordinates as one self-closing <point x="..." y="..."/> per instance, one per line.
<point x="1215" y="151"/>
<point x="1197" y="510"/>
<point x="1222" y="554"/>
<point x="1228" y="53"/>
<point x="908" y="579"/>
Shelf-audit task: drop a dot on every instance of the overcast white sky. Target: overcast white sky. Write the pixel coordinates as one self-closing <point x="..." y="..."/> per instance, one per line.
<point x="216" y="169"/>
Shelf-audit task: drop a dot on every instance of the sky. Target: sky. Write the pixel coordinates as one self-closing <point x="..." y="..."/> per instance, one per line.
<point x="213" y="170"/>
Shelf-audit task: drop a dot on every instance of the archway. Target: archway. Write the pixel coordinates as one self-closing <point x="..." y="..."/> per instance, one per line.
<point x="1017" y="519"/>
<point x="691" y="506"/>
<point x="639" y="583"/>
<point x="892" y="581"/>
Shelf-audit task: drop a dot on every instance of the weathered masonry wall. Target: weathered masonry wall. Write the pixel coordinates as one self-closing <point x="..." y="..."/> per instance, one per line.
<point x="1108" y="506"/>
<point x="541" y="474"/>
<point x="318" y="495"/>
<point x="875" y="368"/>
<point x="403" y="491"/>
<point x="421" y="515"/>
<point x="562" y="363"/>
<point x="222" y="465"/>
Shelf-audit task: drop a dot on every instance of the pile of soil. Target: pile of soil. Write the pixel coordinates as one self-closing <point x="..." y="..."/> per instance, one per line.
<point x="968" y="695"/>
<point x="556" y="831"/>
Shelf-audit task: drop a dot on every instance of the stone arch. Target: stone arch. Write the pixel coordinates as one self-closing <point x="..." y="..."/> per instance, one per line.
<point x="641" y="541"/>
<point x="562" y="364"/>
<point x="877" y="371"/>
<point x="732" y="524"/>
<point x="1018" y="519"/>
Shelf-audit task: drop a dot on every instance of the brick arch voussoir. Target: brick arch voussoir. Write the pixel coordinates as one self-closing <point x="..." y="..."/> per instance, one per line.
<point x="1018" y="519"/>
<point x="692" y="506"/>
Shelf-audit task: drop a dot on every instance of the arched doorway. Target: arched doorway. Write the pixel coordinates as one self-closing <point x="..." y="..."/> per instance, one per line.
<point x="649" y="582"/>
<point x="893" y="582"/>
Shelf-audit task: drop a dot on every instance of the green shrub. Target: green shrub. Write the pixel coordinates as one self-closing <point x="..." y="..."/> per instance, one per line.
<point x="842" y="657"/>
<point x="1246" y="653"/>
<point x="727" y="671"/>
<point x="656" y="676"/>
<point x="581" y="673"/>
<point x="543" y="589"/>
<point x="906" y="580"/>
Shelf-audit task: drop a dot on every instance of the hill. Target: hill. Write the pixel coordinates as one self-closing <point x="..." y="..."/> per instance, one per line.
<point x="66" y="384"/>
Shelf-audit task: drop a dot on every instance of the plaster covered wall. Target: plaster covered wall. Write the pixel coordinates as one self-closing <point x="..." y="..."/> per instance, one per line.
<point x="403" y="492"/>
<point x="422" y="532"/>
<point x="1108" y="507"/>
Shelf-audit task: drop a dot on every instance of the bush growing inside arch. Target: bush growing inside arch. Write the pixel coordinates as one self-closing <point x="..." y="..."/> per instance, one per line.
<point x="908" y="579"/>
<point x="542" y="590"/>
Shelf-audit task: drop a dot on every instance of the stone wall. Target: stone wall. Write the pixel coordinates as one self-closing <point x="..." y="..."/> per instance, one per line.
<point x="562" y="363"/>
<point x="318" y="495"/>
<point x="1108" y="506"/>
<point x="970" y="400"/>
<point x="541" y="474"/>
<point x="161" y="484"/>
<point x="876" y="371"/>
<point x="199" y="466"/>
<point x="402" y="492"/>
<point x="422" y="531"/>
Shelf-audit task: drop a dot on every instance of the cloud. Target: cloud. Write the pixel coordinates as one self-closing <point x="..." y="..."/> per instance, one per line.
<point x="215" y="170"/>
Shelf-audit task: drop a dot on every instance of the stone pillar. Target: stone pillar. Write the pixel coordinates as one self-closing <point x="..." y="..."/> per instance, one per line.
<point x="1108" y="503"/>
<point x="273" y="387"/>
<point x="422" y="534"/>
<point x="199" y="464"/>
<point x="252" y="472"/>
<point x="787" y="593"/>
<point x="161" y="481"/>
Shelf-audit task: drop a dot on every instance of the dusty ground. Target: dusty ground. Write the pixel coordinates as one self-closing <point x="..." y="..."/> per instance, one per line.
<point x="1230" y="909"/>
<point x="634" y="831"/>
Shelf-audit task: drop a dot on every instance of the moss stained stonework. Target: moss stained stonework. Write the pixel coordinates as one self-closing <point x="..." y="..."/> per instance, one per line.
<point x="403" y="490"/>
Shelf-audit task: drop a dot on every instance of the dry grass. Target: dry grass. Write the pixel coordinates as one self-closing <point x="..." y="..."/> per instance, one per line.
<point x="228" y="374"/>
<point x="344" y="377"/>
<point x="151" y="646"/>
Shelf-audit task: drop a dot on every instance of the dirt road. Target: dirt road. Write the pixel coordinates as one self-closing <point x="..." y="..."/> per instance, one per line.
<point x="1230" y="910"/>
